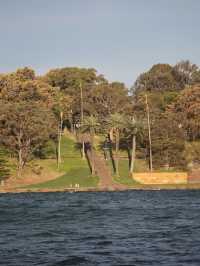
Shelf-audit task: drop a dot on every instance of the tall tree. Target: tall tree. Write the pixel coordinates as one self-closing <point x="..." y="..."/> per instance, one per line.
<point x="131" y="130"/>
<point x="187" y="111"/>
<point x="116" y="122"/>
<point x="168" y="142"/>
<point x="68" y="79"/>
<point x="24" y="127"/>
<point x="91" y="124"/>
<point x="108" y="98"/>
<point x="159" y="78"/>
<point x="61" y="108"/>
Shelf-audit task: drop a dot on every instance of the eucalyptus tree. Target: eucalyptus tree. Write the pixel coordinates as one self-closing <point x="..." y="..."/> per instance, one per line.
<point x="61" y="108"/>
<point x="132" y="129"/>
<point x="26" y="117"/>
<point x="68" y="79"/>
<point x="24" y="127"/>
<point x="187" y="111"/>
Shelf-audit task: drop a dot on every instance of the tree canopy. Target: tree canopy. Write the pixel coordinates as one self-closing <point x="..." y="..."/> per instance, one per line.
<point x="35" y="109"/>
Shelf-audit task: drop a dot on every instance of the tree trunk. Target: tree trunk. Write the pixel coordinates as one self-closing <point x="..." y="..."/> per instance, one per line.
<point x="59" y="139"/>
<point x="149" y="133"/>
<point x="20" y="154"/>
<point x="111" y="134"/>
<point x="133" y="154"/>
<point x="92" y="152"/>
<point x="117" y="152"/>
<point x="20" y="162"/>
<point x="83" y="150"/>
<point x="82" y="118"/>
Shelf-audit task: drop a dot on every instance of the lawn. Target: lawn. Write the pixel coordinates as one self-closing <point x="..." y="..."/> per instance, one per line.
<point x="74" y="170"/>
<point x="125" y="178"/>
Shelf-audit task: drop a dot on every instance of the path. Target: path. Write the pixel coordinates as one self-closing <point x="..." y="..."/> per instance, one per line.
<point x="101" y="168"/>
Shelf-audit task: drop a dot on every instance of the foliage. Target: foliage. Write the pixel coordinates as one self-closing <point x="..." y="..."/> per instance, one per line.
<point x="185" y="72"/>
<point x="187" y="111"/>
<point x="192" y="153"/>
<point x="158" y="78"/>
<point x="34" y="110"/>
<point x="24" y="128"/>
<point x="163" y="77"/>
<point x="108" y="98"/>
<point x="167" y="143"/>
<point x="4" y="169"/>
<point x="68" y="79"/>
<point x="90" y="124"/>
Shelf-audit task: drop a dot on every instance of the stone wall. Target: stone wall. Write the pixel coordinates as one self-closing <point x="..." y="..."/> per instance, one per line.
<point x="161" y="178"/>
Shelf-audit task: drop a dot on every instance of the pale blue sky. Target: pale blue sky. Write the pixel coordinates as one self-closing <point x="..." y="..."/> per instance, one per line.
<point x="120" y="38"/>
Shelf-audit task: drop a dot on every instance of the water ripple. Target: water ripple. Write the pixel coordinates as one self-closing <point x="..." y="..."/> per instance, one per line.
<point x="110" y="228"/>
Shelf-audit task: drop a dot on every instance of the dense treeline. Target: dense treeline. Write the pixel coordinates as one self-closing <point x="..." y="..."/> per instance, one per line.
<point x="158" y="116"/>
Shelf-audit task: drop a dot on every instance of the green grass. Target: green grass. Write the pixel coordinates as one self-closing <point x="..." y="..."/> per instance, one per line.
<point x="124" y="175"/>
<point x="74" y="176"/>
<point x="75" y="169"/>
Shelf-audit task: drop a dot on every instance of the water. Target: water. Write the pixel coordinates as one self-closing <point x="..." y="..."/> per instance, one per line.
<point x="113" y="228"/>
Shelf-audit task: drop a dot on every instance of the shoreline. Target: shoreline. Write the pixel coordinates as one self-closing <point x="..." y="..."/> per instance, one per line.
<point x="106" y="189"/>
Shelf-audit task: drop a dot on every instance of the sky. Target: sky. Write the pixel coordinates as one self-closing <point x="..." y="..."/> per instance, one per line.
<point x="119" y="38"/>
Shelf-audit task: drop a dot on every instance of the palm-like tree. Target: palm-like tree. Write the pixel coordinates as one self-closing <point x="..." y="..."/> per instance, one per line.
<point x="90" y="124"/>
<point x="116" y="122"/>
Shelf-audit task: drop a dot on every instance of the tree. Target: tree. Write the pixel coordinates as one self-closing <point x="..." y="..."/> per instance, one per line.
<point x="131" y="130"/>
<point x="187" y="111"/>
<point x="162" y="88"/>
<point x="68" y="80"/>
<point x="25" y="74"/>
<point x="159" y="78"/>
<point x="185" y="73"/>
<point x="24" y="127"/>
<point x="91" y="124"/>
<point x="61" y="108"/>
<point x="116" y="121"/>
<point x="165" y="140"/>
<point x="108" y="98"/>
<point x="13" y="89"/>
<point x="25" y="111"/>
<point x="168" y="142"/>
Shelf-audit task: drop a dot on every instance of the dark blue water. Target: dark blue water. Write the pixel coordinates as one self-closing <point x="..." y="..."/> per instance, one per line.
<point x="113" y="228"/>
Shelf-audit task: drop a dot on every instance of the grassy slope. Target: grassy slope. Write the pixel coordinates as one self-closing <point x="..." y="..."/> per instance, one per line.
<point x="76" y="170"/>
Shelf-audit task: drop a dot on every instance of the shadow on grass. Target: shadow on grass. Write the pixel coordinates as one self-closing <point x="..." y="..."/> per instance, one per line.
<point x="79" y="176"/>
<point x="78" y="146"/>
